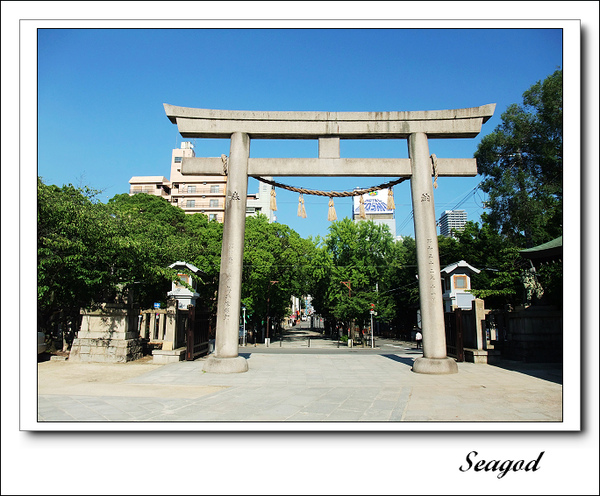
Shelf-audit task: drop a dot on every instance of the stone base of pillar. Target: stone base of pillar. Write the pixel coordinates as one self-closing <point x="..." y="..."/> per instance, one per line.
<point x="435" y="366"/>
<point x="105" y="350"/>
<point x="233" y="365"/>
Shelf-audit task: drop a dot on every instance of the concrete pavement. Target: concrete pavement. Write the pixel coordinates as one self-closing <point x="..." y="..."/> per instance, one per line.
<point x="298" y="385"/>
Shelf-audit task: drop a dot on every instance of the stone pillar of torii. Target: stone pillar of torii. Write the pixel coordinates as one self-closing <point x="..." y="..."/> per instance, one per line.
<point x="329" y="127"/>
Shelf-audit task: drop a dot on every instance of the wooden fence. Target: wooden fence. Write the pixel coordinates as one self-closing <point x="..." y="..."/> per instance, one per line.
<point x="454" y="335"/>
<point x="198" y="326"/>
<point x="173" y="328"/>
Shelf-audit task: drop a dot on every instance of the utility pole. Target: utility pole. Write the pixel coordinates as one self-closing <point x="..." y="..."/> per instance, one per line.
<point x="372" y="335"/>
<point x="268" y="310"/>
<point x="372" y="312"/>
<point x="244" y="331"/>
<point x="348" y="284"/>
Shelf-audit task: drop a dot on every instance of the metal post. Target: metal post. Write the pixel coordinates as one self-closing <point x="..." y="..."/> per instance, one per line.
<point x="244" y="331"/>
<point x="372" y="335"/>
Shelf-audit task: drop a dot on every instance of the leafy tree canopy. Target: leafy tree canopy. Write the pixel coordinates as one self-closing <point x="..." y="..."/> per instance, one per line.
<point x="276" y="263"/>
<point x="359" y="254"/>
<point x="522" y="164"/>
<point x="76" y="250"/>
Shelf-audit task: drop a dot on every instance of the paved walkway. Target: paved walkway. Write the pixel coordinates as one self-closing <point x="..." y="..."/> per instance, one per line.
<point x="299" y="385"/>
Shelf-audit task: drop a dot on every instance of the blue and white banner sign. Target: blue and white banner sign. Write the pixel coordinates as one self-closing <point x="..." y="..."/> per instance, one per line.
<point x="375" y="203"/>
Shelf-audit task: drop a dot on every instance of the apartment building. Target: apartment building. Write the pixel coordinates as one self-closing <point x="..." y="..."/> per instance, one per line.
<point x="198" y="194"/>
<point x="152" y="185"/>
<point x="260" y="202"/>
<point x="452" y="221"/>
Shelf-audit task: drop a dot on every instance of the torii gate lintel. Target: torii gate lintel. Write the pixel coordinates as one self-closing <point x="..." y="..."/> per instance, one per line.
<point x="329" y="128"/>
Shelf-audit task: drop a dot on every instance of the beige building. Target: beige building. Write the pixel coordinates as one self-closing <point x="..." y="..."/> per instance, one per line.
<point x="198" y="194"/>
<point x="152" y="185"/>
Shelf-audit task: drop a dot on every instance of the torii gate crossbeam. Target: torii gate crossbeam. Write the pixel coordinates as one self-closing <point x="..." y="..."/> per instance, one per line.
<point x="329" y="128"/>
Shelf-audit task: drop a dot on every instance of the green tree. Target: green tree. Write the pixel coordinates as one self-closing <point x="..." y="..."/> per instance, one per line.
<point x="522" y="165"/>
<point x="359" y="255"/>
<point x="200" y="244"/>
<point x="450" y="251"/>
<point x="496" y="256"/>
<point x="89" y="253"/>
<point x="275" y="269"/>
<point x="149" y="232"/>
<point x="75" y="252"/>
<point x="319" y="272"/>
<point x="402" y="284"/>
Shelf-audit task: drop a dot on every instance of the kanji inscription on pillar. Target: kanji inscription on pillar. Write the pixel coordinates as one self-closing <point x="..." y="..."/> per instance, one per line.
<point x="431" y="262"/>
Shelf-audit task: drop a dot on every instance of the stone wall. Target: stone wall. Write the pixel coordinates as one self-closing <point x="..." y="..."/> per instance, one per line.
<point x="108" y="334"/>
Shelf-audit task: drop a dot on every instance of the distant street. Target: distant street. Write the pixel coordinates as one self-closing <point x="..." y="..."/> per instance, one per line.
<point x="302" y="339"/>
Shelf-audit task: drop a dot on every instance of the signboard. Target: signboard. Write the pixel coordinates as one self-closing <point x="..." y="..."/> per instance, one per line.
<point x="157" y="305"/>
<point x="375" y="203"/>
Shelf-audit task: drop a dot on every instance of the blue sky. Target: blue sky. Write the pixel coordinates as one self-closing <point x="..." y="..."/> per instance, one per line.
<point x="101" y="93"/>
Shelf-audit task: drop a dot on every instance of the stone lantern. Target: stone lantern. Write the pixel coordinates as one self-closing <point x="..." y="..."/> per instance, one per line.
<point x="179" y="292"/>
<point x="456" y="284"/>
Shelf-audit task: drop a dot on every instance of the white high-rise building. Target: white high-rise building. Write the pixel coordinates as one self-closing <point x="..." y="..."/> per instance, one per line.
<point x="260" y="203"/>
<point x="452" y="221"/>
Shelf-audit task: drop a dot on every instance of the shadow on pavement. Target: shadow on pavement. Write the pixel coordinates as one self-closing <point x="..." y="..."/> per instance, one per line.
<point x="44" y="357"/>
<point x="403" y="360"/>
<point x="552" y="372"/>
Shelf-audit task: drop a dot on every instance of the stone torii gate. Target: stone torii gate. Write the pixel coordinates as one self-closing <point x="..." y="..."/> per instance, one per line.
<point x="329" y="127"/>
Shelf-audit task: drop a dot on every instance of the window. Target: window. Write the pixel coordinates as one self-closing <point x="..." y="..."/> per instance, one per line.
<point x="214" y="188"/>
<point x="212" y="216"/>
<point x="190" y="203"/>
<point x="178" y="160"/>
<point x="460" y="282"/>
<point x="214" y="204"/>
<point x="191" y="189"/>
<point x="184" y="278"/>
